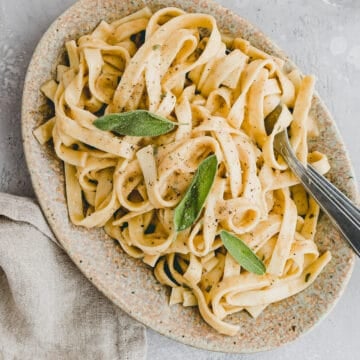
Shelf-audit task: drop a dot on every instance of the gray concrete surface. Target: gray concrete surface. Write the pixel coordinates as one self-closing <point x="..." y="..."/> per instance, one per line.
<point x="322" y="39"/>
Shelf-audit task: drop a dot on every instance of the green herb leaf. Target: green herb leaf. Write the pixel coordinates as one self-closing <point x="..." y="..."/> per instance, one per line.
<point x="190" y="206"/>
<point x="242" y="253"/>
<point x="271" y="119"/>
<point x="135" y="123"/>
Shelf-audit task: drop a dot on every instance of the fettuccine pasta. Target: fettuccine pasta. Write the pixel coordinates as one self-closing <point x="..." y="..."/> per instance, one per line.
<point x="219" y="89"/>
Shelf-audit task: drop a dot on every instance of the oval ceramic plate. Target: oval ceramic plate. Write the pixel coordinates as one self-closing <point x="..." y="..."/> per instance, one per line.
<point x="128" y="282"/>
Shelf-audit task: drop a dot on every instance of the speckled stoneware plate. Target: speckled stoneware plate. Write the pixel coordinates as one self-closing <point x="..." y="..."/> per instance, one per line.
<point x="129" y="283"/>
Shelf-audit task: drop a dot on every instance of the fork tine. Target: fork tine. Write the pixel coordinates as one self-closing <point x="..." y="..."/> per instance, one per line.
<point x="342" y="212"/>
<point x="319" y="187"/>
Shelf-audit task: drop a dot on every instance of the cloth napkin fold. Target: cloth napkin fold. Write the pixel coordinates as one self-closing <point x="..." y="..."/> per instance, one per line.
<point x="48" y="309"/>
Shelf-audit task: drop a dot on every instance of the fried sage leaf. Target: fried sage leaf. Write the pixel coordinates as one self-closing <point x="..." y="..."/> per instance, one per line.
<point x="135" y="123"/>
<point x="242" y="253"/>
<point x="190" y="206"/>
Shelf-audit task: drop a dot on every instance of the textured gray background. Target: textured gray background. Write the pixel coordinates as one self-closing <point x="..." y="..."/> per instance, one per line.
<point x="322" y="39"/>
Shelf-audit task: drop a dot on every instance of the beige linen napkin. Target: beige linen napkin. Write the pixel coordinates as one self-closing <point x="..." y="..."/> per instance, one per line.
<point x="48" y="309"/>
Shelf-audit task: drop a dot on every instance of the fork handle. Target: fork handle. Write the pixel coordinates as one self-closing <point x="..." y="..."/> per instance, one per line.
<point x="343" y="213"/>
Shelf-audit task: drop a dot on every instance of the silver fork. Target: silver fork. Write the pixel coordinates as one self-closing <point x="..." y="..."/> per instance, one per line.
<point x="341" y="211"/>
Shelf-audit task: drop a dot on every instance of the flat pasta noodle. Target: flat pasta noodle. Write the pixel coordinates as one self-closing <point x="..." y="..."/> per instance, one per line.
<point x="219" y="90"/>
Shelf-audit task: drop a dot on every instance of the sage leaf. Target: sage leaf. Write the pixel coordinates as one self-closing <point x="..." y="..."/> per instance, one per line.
<point x="242" y="253"/>
<point x="190" y="206"/>
<point x="271" y="119"/>
<point x="135" y="123"/>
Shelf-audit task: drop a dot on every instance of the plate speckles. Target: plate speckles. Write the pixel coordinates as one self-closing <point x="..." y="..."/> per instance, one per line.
<point x="128" y="282"/>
